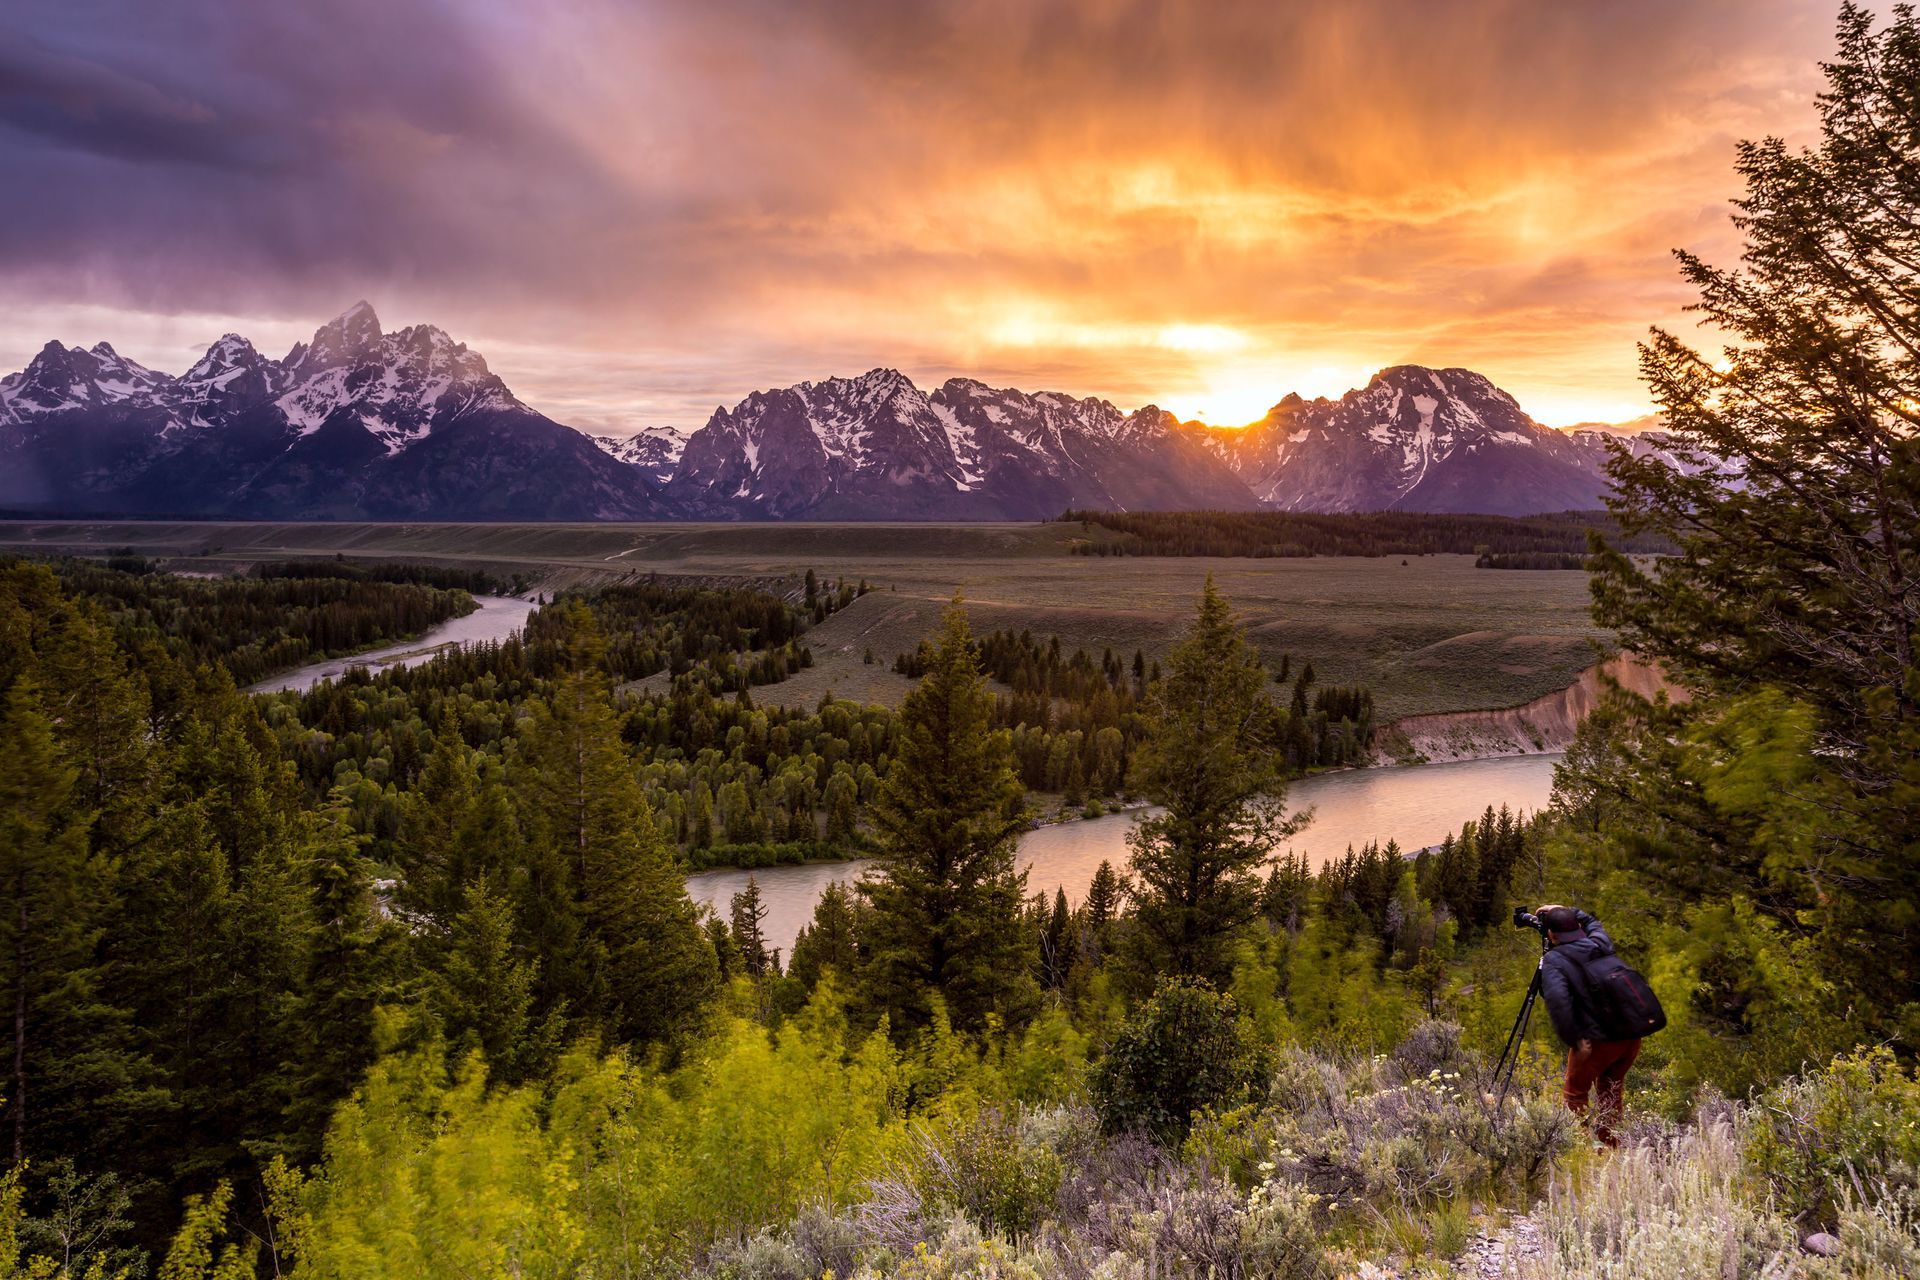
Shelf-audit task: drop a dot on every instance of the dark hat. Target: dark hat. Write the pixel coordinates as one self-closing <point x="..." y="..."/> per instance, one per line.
<point x="1560" y="919"/>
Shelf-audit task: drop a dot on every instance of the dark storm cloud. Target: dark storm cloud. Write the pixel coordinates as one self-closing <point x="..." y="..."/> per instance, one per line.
<point x="1153" y="200"/>
<point x="72" y="102"/>
<point x="175" y="155"/>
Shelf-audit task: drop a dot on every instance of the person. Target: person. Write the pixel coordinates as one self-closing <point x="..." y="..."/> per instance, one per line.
<point x="1594" y="1063"/>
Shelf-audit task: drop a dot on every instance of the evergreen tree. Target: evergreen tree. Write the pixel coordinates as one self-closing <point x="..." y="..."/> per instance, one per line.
<point x="726" y="955"/>
<point x="1209" y="759"/>
<point x="348" y="972"/>
<point x="1057" y="942"/>
<point x="1285" y="897"/>
<point x="433" y="845"/>
<point x="946" y="895"/>
<point x="102" y="714"/>
<point x="620" y="930"/>
<point x="1798" y="536"/>
<point x="749" y="916"/>
<point x="481" y="988"/>
<point x="49" y="913"/>
<point x="830" y="942"/>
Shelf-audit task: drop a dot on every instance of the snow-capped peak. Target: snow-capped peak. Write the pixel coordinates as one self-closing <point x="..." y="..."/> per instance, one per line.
<point x="230" y="352"/>
<point x="655" y="450"/>
<point x="351" y="334"/>
<point x="60" y="378"/>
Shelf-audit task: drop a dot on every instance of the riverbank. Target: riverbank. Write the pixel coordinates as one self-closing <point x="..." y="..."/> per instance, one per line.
<point x="1545" y="724"/>
<point x="492" y="618"/>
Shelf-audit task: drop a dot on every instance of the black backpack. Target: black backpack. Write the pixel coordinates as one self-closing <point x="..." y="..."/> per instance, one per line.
<point x="1624" y="1006"/>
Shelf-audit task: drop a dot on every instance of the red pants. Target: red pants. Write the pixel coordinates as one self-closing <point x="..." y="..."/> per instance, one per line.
<point x="1604" y="1064"/>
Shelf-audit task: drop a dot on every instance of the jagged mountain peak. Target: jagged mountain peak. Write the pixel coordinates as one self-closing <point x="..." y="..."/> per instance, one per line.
<point x="358" y="412"/>
<point x="351" y="334"/>
<point x="356" y="423"/>
<point x="874" y="387"/>
<point x="656" y="450"/>
<point x="1413" y="438"/>
<point x="1445" y="384"/>
<point x="229" y="350"/>
<point x="62" y="378"/>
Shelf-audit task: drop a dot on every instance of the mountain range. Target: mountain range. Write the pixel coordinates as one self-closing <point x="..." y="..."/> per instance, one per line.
<point x="411" y="425"/>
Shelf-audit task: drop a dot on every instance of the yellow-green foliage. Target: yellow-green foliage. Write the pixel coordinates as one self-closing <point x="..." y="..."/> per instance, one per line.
<point x="619" y="1169"/>
<point x="1338" y="992"/>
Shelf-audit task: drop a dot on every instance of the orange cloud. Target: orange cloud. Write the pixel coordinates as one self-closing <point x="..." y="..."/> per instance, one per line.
<point x="641" y="211"/>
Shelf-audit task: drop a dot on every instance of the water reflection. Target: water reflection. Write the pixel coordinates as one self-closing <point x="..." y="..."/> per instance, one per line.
<point x="1416" y="805"/>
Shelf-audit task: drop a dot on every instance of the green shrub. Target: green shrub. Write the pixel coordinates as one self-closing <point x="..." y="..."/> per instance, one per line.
<point x="1850" y="1128"/>
<point x="1182" y="1052"/>
<point x="981" y="1167"/>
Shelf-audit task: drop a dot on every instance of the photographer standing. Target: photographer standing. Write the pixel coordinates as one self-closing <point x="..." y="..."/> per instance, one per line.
<point x="1582" y="982"/>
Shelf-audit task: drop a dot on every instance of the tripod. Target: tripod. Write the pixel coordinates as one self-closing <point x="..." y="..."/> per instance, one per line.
<point x="1510" y="1056"/>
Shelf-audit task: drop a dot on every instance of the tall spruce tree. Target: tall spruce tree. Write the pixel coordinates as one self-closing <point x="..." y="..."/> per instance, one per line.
<point x="946" y="895"/>
<point x="50" y="892"/>
<point x="349" y="961"/>
<point x="749" y="913"/>
<point x="481" y="987"/>
<point x="1792" y="609"/>
<point x="1210" y="759"/>
<point x="617" y="934"/>
<point x="830" y="942"/>
<point x="436" y="842"/>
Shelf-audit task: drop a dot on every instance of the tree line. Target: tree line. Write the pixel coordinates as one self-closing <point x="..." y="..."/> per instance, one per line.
<point x="1075" y="722"/>
<point x="281" y="617"/>
<point x="1365" y="533"/>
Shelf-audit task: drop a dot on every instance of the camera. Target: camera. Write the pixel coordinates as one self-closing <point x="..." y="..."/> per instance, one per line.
<point x="1525" y="919"/>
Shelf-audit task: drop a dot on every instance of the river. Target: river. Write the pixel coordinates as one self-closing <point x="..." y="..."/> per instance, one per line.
<point x="1417" y="805"/>
<point x="497" y="618"/>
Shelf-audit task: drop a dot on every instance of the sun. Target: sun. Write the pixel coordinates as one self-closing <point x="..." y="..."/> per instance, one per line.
<point x="1234" y="394"/>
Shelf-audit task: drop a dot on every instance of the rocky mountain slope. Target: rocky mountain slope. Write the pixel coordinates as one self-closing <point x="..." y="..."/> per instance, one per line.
<point x="356" y="424"/>
<point x="359" y="424"/>
<point x="877" y="446"/>
<point x="1412" y="439"/>
<point x="655" y="450"/>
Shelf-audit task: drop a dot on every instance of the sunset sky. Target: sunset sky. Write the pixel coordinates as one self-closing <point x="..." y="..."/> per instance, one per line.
<point x="638" y="211"/>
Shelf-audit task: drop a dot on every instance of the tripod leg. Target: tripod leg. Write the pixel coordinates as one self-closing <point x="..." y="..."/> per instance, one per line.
<point x="1510" y="1056"/>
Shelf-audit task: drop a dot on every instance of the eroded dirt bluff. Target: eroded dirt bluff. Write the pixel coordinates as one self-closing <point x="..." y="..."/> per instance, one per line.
<point x="1545" y="724"/>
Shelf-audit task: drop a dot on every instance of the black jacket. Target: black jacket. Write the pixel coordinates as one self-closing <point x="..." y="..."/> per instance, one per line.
<point x="1563" y="982"/>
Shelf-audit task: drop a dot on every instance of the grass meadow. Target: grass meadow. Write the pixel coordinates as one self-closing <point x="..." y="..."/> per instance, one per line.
<point x="1428" y="634"/>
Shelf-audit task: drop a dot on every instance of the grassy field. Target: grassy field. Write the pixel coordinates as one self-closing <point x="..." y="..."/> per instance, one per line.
<point x="1431" y="634"/>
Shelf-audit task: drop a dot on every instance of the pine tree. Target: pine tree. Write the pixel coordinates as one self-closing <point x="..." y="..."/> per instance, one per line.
<point x="1209" y="759"/>
<point x="749" y="935"/>
<point x="659" y="970"/>
<point x="1103" y="899"/>
<point x="432" y="846"/>
<point x="830" y="942"/>
<point x="101" y="711"/>
<point x="1056" y="942"/>
<point x="620" y="939"/>
<point x="946" y="895"/>
<point x="349" y="962"/>
<point x="1798" y="537"/>
<point x="49" y="912"/>
<point x="481" y="987"/>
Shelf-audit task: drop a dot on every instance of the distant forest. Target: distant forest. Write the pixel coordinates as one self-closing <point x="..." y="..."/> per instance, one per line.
<point x="1368" y="533"/>
<point x="281" y="616"/>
